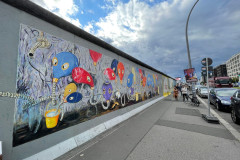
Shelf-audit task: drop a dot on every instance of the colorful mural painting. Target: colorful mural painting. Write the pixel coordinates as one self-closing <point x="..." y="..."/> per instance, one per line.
<point x="61" y="84"/>
<point x="166" y="89"/>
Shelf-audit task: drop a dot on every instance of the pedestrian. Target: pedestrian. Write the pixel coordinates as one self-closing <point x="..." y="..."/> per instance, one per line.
<point x="175" y="93"/>
<point x="180" y="89"/>
<point x="185" y="92"/>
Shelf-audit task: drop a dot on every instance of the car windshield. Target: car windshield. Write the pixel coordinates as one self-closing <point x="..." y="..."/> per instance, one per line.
<point x="197" y="86"/>
<point x="226" y="92"/>
<point x="204" y="89"/>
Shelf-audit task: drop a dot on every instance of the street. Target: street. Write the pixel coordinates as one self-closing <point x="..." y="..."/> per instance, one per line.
<point x="225" y="114"/>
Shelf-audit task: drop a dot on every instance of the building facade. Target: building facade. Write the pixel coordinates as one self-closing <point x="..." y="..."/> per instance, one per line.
<point x="233" y="66"/>
<point x="220" y="71"/>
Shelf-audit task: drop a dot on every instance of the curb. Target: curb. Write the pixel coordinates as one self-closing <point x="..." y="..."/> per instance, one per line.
<point x="233" y="131"/>
<point x="71" y="143"/>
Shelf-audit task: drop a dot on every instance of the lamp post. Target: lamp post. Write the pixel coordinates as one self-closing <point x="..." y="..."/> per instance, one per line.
<point x="188" y="50"/>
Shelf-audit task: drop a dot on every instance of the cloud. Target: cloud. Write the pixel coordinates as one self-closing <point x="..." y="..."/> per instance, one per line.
<point x="155" y="34"/>
<point x="154" y="31"/>
<point x="89" y="28"/>
<point x="63" y="8"/>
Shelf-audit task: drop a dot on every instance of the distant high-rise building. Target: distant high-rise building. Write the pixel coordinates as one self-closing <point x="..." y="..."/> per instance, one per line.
<point x="233" y="66"/>
<point x="220" y="71"/>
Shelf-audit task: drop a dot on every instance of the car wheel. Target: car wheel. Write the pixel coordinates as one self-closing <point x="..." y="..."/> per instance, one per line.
<point x="235" y="119"/>
<point x="218" y="107"/>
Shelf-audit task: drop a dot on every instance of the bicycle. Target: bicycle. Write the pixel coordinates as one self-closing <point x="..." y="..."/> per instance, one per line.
<point x="194" y="101"/>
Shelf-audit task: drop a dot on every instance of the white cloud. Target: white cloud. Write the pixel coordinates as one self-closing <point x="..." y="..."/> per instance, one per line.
<point x="156" y="34"/>
<point x="89" y="28"/>
<point x="63" y="8"/>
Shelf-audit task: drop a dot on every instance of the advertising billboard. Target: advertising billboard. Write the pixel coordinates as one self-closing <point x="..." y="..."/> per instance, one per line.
<point x="190" y="75"/>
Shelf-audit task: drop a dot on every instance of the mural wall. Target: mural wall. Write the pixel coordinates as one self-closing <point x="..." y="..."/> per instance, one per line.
<point x="60" y="84"/>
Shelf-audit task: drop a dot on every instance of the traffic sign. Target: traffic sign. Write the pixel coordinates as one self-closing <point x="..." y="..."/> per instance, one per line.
<point x="204" y="62"/>
<point x="204" y="73"/>
<point x="210" y="68"/>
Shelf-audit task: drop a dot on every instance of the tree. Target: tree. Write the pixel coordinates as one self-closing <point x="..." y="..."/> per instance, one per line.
<point x="235" y="80"/>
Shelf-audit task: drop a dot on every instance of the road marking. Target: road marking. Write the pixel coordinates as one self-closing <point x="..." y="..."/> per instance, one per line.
<point x="233" y="131"/>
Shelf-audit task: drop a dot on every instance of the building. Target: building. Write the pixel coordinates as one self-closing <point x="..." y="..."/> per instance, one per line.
<point x="220" y="71"/>
<point x="233" y="66"/>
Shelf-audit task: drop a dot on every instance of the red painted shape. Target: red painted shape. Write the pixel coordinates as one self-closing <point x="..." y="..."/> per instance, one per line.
<point x="120" y="68"/>
<point x="110" y="74"/>
<point x="95" y="56"/>
<point x="141" y="73"/>
<point x="144" y="81"/>
<point x="80" y="75"/>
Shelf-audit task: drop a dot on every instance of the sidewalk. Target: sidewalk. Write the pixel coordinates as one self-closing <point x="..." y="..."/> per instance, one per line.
<point x="168" y="130"/>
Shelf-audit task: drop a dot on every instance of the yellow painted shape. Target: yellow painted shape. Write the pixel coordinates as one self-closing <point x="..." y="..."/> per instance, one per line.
<point x="137" y="96"/>
<point x="134" y="75"/>
<point x="51" y="122"/>
<point x="154" y="79"/>
<point x="70" y="88"/>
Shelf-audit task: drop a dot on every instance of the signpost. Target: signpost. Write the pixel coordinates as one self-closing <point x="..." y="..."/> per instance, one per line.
<point x="207" y="62"/>
<point x="210" y="68"/>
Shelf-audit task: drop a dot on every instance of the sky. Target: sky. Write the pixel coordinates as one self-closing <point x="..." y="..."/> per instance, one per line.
<point x="153" y="31"/>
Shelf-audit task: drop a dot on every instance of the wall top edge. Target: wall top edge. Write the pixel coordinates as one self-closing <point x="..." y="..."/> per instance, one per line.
<point x="39" y="12"/>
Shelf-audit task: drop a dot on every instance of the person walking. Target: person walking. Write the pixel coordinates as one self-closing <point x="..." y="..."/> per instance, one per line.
<point x="180" y="89"/>
<point x="185" y="92"/>
<point x="175" y="93"/>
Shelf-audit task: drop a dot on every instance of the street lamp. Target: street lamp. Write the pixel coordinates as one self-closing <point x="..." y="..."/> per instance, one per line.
<point x="189" y="57"/>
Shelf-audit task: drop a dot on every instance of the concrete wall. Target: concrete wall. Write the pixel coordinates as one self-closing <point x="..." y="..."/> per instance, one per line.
<point x="25" y="131"/>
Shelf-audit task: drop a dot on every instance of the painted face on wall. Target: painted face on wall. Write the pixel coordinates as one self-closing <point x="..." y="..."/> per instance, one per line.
<point x="120" y="68"/>
<point x="114" y="66"/>
<point x="70" y="88"/>
<point x="144" y="80"/>
<point x="74" y="97"/>
<point x="107" y="90"/>
<point x="150" y="81"/>
<point x="130" y="80"/>
<point x="63" y="64"/>
<point x="141" y="73"/>
<point x="95" y="56"/>
<point x="110" y="74"/>
<point x="80" y="75"/>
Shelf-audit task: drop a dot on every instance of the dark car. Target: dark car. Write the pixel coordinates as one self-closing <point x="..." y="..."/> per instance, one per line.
<point x="221" y="97"/>
<point x="235" y="106"/>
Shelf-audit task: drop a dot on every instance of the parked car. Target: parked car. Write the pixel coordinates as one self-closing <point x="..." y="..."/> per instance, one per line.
<point x="197" y="88"/>
<point x="235" y="107"/>
<point x="235" y="84"/>
<point x="221" y="97"/>
<point x="203" y="92"/>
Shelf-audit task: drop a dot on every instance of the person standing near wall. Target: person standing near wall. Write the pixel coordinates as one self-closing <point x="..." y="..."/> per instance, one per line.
<point x="175" y="93"/>
<point x="180" y="89"/>
<point x="184" y="92"/>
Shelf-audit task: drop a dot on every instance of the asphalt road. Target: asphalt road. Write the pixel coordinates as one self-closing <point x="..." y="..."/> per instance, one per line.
<point x="225" y="114"/>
